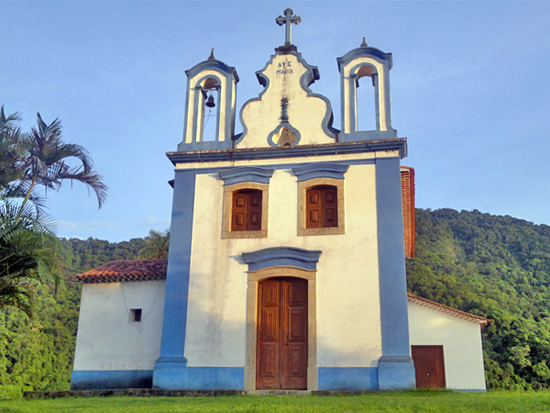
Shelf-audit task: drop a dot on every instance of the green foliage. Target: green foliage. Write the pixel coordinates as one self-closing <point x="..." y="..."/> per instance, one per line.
<point x="497" y="267"/>
<point x="156" y="246"/>
<point x="40" y="158"/>
<point x="28" y="255"/>
<point x="37" y="353"/>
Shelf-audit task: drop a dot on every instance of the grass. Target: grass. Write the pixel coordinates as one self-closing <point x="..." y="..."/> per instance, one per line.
<point x="405" y="401"/>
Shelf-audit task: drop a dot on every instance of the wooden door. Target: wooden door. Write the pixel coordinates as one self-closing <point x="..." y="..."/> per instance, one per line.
<point x="281" y="352"/>
<point x="429" y="365"/>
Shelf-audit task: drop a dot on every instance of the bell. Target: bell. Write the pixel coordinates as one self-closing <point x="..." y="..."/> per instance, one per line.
<point x="210" y="102"/>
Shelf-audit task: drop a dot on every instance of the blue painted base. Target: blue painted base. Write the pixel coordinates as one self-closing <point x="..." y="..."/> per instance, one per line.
<point x="348" y="378"/>
<point x="396" y="373"/>
<point x="176" y="375"/>
<point x="111" y="379"/>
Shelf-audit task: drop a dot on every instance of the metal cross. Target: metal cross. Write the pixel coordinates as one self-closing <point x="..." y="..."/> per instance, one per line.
<point x="288" y="20"/>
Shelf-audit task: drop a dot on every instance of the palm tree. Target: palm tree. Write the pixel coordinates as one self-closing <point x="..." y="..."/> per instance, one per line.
<point x="11" y="150"/>
<point x="46" y="165"/>
<point x="156" y="246"/>
<point x="29" y="254"/>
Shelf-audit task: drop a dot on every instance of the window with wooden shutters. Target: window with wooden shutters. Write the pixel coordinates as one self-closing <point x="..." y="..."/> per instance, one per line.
<point x="322" y="207"/>
<point x="245" y="210"/>
<point x="246" y="213"/>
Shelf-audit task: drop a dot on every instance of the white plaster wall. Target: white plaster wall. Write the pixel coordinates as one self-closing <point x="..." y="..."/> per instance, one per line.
<point x="107" y="339"/>
<point x="305" y="113"/>
<point x="461" y="340"/>
<point x="348" y="308"/>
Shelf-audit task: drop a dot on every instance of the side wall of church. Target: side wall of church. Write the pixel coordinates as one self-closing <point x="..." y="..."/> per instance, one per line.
<point x="347" y="287"/>
<point x="461" y="341"/>
<point x="111" y="348"/>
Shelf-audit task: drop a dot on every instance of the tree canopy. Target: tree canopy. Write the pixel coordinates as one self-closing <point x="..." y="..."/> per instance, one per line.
<point x="29" y="252"/>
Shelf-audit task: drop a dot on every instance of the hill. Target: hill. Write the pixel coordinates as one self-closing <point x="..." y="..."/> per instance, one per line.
<point x="497" y="267"/>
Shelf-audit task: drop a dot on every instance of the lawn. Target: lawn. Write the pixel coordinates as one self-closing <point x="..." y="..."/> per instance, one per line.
<point x="405" y="401"/>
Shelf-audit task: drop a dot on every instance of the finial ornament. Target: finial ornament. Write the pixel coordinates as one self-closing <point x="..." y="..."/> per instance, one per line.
<point x="288" y="19"/>
<point x="212" y="55"/>
<point x="364" y="44"/>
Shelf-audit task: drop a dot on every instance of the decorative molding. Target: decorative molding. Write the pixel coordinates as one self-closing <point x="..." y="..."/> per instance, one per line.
<point x="278" y="129"/>
<point x="282" y="256"/>
<point x="238" y="174"/>
<point x="213" y="65"/>
<point x="385" y="145"/>
<point x="364" y="52"/>
<point x="320" y="170"/>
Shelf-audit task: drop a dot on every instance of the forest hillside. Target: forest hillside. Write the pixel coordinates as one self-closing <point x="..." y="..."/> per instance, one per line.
<point x="497" y="267"/>
<point x="494" y="266"/>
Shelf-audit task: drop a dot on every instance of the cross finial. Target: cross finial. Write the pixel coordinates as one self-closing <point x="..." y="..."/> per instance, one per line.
<point x="288" y="19"/>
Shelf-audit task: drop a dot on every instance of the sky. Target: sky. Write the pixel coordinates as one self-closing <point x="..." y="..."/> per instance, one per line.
<point x="470" y="88"/>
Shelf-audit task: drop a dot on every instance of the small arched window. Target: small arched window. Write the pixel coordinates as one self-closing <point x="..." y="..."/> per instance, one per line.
<point x="246" y="210"/>
<point x="322" y="207"/>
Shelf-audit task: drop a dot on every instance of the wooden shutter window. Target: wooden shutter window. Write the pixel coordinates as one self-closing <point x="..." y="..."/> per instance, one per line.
<point x="322" y="207"/>
<point x="246" y="210"/>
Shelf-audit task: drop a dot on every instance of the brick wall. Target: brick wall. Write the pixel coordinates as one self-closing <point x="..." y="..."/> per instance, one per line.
<point x="407" y="197"/>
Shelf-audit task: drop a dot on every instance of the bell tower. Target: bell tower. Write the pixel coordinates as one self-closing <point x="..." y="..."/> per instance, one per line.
<point x="365" y="61"/>
<point x="204" y="81"/>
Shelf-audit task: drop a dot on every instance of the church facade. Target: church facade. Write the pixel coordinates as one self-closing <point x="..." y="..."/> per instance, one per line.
<point x="286" y="266"/>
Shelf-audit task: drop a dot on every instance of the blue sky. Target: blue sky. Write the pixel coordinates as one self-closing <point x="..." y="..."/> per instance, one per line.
<point x="470" y="90"/>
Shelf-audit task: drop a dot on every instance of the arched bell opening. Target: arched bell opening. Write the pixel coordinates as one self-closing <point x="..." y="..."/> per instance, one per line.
<point x="365" y="99"/>
<point x="210" y="102"/>
<point x="366" y="111"/>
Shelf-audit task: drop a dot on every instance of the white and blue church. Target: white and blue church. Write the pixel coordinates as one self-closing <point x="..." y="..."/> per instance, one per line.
<point x="286" y="267"/>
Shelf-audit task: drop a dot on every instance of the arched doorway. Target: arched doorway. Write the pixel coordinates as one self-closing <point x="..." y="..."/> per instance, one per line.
<point x="282" y="334"/>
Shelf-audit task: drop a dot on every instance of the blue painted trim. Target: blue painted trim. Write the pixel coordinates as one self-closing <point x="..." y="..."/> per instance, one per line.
<point x="226" y="77"/>
<point x="215" y="378"/>
<point x="213" y="65"/>
<point x="320" y="170"/>
<point x="278" y="129"/>
<point x="308" y="78"/>
<point x="111" y="379"/>
<point x="399" y="144"/>
<point x="179" y="264"/>
<point x="177" y="376"/>
<point x="348" y="378"/>
<point x="395" y="368"/>
<point x="197" y="123"/>
<point x="282" y="256"/>
<point x="237" y="175"/>
<point x="364" y="52"/>
<point x="276" y="167"/>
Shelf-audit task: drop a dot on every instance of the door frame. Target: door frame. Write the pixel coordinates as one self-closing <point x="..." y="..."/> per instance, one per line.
<point x="254" y="277"/>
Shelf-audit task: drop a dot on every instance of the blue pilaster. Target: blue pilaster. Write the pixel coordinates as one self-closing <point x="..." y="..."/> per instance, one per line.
<point x="170" y="369"/>
<point x="395" y="368"/>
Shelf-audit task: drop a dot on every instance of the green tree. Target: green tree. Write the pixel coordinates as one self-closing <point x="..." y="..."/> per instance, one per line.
<point x="28" y="255"/>
<point x="46" y="164"/>
<point x="156" y="246"/>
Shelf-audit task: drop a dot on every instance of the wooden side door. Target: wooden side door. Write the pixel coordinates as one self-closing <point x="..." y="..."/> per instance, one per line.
<point x="281" y="359"/>
<point x="429" y="364"/>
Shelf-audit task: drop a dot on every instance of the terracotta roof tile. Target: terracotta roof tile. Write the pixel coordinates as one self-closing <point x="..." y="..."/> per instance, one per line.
<point x="482" y="321"/>
<point x="129" y="270"/>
